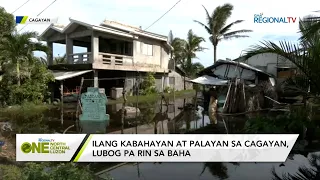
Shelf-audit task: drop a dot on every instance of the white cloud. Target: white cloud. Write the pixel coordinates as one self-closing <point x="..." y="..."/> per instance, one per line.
<point x="179" y="20"/>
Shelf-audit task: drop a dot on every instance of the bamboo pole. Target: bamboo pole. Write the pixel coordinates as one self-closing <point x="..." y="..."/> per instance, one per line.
<point x="195" y="105"/>
<point x="137" y="100"/>
<point x="123" y="105"/>
<point x="225" y="105"/>
<point x="79" y="107"/>
<point x="61" y="92"/>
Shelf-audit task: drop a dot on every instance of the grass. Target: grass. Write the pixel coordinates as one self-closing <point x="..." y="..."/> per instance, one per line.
<point x="130" y="99"/>
<point x="154" y="97"/>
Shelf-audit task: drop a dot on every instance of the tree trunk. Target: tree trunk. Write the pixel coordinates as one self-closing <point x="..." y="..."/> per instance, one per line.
<point x="214" y="53"/>
<point x="184" y="82"/>
<point x="18" y="73"/>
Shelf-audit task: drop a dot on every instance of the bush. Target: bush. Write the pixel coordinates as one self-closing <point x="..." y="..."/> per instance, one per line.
<point x="148" y="85"/>
<point x="293" y="122"/>
<point x="11" y="172"/>
<point x="47" y="171"/>
<point x="34" y="88"/>
<point x="26" y="118"/>
<point x="168" y="89"/>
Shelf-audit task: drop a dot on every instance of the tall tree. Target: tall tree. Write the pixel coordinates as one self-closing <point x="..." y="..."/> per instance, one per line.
<point x="7" y="26"/>
<point x="185" y="51"/>
<point x="217" y="28"/>
<point x="7" y="23"/>
<point x="18" y="49"/>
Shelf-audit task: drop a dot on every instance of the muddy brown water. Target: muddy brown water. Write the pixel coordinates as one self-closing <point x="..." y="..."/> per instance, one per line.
<point x="152" y="121"/>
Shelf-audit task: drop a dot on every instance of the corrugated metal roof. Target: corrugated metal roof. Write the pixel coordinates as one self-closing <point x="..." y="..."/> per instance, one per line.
<point x="240" y="64"/>
<point x="209" y="80"/>
<point x="62" y="75"/>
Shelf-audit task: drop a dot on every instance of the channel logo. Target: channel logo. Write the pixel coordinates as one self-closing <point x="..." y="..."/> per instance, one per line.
<point x="45" y="146"/>
<point x="35" y="20"/>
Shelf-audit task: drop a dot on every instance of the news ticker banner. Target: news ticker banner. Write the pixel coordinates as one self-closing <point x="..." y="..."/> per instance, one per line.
<point x="35" y="20"/>
<point x="154" y="147"/>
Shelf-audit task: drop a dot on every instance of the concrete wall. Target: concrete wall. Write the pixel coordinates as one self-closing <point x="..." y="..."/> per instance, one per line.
<point x="166" y="81"/>
<point x="179" y="85"/>
<point x="159" y="58"/>
<point x="268" y="62"/>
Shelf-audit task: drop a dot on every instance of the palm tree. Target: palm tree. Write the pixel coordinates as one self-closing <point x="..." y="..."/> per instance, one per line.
<point x="185" y="51"/>
<point x="18" y="49"/>
<point x="56" y="60"/>
<point x="60" y="59"/>
<point x="217" y="28"/>
<point x="304" y="173"/>
<point x="304" y="55"/>
<point x="313" y="29"/>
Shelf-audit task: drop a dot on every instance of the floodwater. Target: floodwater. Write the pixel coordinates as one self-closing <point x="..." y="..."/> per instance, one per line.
<point x="155" y="118"/>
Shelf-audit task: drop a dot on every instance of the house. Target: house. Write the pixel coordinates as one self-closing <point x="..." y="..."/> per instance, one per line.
<point x="226" y="75"/>
<point x="271" y="63"/>
<point x="226" y="70"/>
<point x="114" y="50"/>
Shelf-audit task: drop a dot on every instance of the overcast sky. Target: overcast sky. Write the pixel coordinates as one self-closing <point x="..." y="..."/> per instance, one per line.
<point x="179" y="19"/>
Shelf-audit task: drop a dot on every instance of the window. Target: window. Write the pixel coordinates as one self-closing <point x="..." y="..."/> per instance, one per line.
<point x="147" y="49"/>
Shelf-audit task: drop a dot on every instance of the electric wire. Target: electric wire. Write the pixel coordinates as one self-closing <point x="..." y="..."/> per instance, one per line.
<point x="20" y="6"/>
<point x="39" y="14"/>
<point x="163" y="15"/>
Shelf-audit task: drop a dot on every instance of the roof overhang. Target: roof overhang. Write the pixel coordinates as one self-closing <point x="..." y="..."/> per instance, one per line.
<point x="63" y="75"/>
<point x="236" y="63"/>
<point x="209" y="80"/>
<point x="107" y="29"/>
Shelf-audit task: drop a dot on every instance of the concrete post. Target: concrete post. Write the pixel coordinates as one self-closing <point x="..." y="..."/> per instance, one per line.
<point x="50" y="53"/>
<point x="69" y="49"/>
<point x="94" y="48"/>
<point x="95" y="78"/>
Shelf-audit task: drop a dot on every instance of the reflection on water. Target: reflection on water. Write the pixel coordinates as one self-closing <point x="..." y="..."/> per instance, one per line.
<point x="155" y="118"/>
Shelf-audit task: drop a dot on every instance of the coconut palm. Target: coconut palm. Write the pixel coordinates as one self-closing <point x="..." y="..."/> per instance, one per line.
<point x="18" y="50"/>
<point x="305" y="55"/>
<point x="185" y="51"/>
<point x="217" y="28"/>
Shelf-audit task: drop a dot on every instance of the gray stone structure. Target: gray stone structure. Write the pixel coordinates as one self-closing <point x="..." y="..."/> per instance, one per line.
<point x="111" y="46"/>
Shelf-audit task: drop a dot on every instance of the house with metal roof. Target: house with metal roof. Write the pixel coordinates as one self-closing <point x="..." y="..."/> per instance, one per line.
<point x="271" y="63"/>
<point x="226" y="70"/>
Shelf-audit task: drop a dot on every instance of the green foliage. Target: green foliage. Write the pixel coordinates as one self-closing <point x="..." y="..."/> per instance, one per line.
<point x="33" y="87"/>
<point x="185" y="51"/>
<point x="293" y="122"/>
<point x="47" y="171"/>
<point x="7" y="22"/>
<point x="148" y="85"/>
<point x="168" y="89"/>
<point x="304" y="55"/>
<point x="10" y="172"/>
<point x="216" y="26"/>
<point x="197" y="87"/>
<point x="26" y="118"/>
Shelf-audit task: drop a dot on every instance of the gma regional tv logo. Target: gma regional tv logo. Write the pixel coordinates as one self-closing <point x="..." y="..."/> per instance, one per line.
<point x="35" y="20"/>
<point x="45" y="146"/>
<point x="260" y="18"/>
